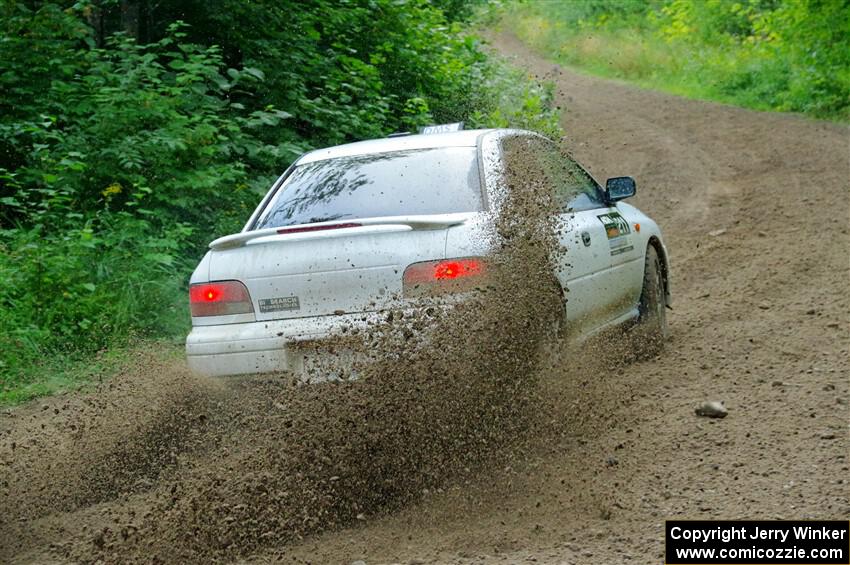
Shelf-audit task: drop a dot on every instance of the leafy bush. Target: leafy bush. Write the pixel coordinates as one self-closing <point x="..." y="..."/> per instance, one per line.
<point x="79" y="289"/>
<point x="130" y="165"/>
<point x="125" y="148"/>
<point x="766" y="54"/>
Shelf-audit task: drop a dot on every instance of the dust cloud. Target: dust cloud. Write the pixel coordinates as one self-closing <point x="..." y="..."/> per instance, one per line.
<point x="160" y="465"/>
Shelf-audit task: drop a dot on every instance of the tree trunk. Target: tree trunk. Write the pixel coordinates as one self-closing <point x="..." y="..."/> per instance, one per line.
<point x="130" y="17"/>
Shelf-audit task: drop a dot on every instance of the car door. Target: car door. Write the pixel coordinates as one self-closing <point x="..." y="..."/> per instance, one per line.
<point x="586" y="262"/>
<point x="622" y="224"/>
<point x="583" y="262"/>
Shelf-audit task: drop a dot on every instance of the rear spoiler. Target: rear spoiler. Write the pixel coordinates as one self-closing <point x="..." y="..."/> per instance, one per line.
<point x="436" y="222"/>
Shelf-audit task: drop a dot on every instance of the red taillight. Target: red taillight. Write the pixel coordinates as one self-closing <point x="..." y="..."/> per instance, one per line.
<point x="303" y="229"/>
<point x="219" y="299"/>
<point x="438" y="277"/>
<point x="446" y="270"/>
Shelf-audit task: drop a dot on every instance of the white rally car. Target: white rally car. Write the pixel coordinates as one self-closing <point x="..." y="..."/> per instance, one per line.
<point x="348" y="232"/>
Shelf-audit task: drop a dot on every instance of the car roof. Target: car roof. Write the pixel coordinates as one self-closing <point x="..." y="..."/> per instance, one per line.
<point x="466" y="138"/>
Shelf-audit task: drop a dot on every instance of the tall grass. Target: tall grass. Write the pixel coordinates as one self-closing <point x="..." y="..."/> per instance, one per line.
<point x="785" y="56"/>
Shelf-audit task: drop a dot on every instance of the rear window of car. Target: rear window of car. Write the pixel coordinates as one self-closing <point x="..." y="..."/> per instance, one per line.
<point x="399" y="183"/>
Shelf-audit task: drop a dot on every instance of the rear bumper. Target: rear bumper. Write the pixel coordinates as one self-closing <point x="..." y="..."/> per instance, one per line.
<point x="238" y="363"/>
<point x="269" y="346"/>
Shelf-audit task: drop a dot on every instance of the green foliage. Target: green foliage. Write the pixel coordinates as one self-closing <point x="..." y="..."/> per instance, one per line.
<point x="506" y="97"/>
<point x="787" y="55"/>
<point x="127" y="144"/>
<point x="79" y="288"/>
<point x="129" y="166"/>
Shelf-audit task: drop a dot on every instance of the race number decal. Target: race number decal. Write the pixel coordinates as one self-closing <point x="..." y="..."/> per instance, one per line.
<point x="618" y="231"/>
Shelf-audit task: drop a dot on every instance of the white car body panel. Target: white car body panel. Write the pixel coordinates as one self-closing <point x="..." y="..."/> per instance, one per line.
<point x="347" y="278"/>
<point x="359" y="271"/>
<point x="584" y="270"/>
<point x="627" y="267"/>
<point x="263" y="347"/>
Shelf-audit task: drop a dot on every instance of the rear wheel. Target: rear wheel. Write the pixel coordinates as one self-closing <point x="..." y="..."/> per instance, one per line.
<point x="651" y="330"/>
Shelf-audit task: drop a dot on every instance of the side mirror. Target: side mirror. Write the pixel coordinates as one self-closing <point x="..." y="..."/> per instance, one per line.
<point x="618" y="188"/>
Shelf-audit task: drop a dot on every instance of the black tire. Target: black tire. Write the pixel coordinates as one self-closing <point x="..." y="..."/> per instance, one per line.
<point x="652" y="327"/>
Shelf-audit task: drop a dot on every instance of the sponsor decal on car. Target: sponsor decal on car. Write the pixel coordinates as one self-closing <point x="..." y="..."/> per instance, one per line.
<point x="279" y="304"/>
<point x="618" y="231"/>
<point x="441" y="128"/>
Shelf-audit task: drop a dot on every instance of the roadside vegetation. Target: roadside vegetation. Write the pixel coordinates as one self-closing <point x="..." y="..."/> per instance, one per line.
<point x="132" y="133"/>
<point x="786" y="55"/>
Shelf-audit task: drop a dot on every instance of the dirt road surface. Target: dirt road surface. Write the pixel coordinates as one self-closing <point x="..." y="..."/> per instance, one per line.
<point x="755" y="212"/>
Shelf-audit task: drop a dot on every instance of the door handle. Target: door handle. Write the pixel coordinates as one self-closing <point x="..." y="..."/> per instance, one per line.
<point x="585" y="238"/>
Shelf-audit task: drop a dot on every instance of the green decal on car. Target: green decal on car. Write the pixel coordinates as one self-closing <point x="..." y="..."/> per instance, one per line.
<point x="618" y="231"/>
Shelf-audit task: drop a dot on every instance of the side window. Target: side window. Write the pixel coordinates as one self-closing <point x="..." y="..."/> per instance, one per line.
<point x="572" y="188"/>
<point x="575" y="189"/>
